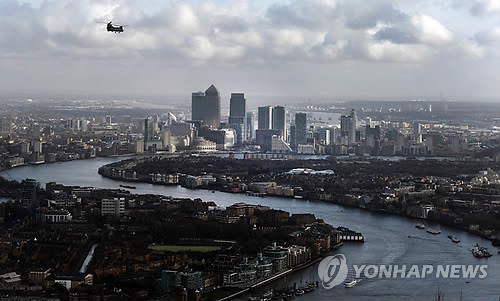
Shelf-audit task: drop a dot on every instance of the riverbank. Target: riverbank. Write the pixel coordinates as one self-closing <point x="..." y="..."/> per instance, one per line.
<point x="337" y="201"/>
<point x="277" y="277"/>
<point x="387" y="237"/>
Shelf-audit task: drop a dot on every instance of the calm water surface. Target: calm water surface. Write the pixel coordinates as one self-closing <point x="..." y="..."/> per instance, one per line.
<point x="387" y="240"/>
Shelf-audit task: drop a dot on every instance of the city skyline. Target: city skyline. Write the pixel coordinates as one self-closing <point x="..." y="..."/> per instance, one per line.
<point x="383" y="49"/>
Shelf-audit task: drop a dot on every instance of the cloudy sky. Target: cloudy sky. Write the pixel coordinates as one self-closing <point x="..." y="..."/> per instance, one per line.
<point x="335" y="49"/>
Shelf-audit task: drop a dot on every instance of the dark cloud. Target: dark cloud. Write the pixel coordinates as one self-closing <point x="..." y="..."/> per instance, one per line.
<point x="396" y="35"/>
<point x="366" y="14"/>
<point x="64" y="33"/>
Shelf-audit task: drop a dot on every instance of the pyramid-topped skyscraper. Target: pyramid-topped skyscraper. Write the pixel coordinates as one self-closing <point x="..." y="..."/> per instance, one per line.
<point x="206" y="107"/>
<point x="212" y="107"/>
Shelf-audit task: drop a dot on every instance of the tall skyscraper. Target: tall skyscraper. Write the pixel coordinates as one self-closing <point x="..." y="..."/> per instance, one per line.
<point x="250" y="125"/>
<point x="211" y="116"/>
<point x="279" y="121"/>
<point x="265" y="118"/>
<point x="205" y="107"/>
<point x="348" y="127"/>
<point x="300" y="128"/>
<point x="237" y="115"/>
<point x="148" y="129"/>
<point x="237" y="106"/>
<point x="197" y="106"/>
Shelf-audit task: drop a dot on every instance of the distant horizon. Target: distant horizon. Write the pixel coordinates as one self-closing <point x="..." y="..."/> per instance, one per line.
<point x="174" y="98"/>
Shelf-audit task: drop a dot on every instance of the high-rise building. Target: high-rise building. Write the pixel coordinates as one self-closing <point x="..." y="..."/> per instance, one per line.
<point x="265" y="118"/>
<point x="197" y="106"/>
<point x="237" y="106"/>
<point x="293" y="141"/>
<point x="35" y="131"/>
<point x="114" y="207"/>
<point x="324" y="136"/>
<point x="250" y="128"/>
<point x="348" y="127"/>
<point x="279" y="120"/>
<point x="300" y="128"/>
<point x="237" y="115"/>
<point x="211" y="112"/>
<point x="148" y="129"/>
<point x="264" y="138"/>
<point x="5" y="126"/>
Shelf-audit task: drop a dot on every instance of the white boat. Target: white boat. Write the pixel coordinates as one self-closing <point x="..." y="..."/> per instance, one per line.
<point x="351" y="283"/>
<point x="455" y="239"/>
<point x="432" y="231"/>
<point x="420" y="226"/>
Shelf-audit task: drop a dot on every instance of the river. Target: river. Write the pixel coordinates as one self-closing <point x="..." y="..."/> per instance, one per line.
<point x="387" y="238"/>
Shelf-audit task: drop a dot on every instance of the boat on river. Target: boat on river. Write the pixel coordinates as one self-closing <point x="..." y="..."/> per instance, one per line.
<point x="351" y="283"/>
<point x="480" y="252"/>
<point x="432" y="231"/>
<point x="420" y="226"/>
<point x="128" y="186"/>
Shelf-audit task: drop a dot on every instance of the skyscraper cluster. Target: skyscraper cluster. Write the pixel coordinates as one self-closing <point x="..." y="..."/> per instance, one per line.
<point x="269" y="128"/>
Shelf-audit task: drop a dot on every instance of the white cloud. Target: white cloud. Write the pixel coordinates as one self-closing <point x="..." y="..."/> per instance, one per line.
<point x="429" y="30"/>
<point x="306" y="31"/>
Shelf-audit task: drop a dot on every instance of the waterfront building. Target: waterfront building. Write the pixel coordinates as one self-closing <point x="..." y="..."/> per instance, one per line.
<point x="243" y="273"/>
<point x="113" y="207"/>
<point x="265" y="118"/>
<point x="278" y="256"/>
<point x="298" y="255"/>
<point x="189" y="280"/>
<point x="47" y="215"/>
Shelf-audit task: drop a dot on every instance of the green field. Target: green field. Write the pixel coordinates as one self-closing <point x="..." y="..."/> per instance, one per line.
<point x="173" y="248"/>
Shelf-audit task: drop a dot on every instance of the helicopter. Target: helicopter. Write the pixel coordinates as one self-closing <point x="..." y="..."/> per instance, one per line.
<point x="114" y="28"/>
